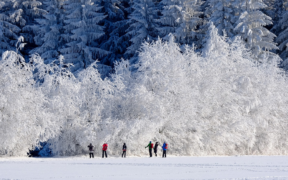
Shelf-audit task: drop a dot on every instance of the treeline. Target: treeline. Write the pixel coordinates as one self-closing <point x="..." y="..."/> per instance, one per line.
<point x="107" y="30"/>
<point x="219" y="102"/>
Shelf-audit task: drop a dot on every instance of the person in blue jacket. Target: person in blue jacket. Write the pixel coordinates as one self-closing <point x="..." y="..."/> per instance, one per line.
<point x="164" y="147"/>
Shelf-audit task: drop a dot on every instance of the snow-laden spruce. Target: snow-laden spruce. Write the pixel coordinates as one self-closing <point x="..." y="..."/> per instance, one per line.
<point x="220" y="102"/>
<point x="115" y="39"/>
<point x="182" y="19"/>
<point x="221" y="13"/>
<point x="142" y="24"/>
<point x="8" y="31"/>
<point x="82" y="29"/>
<point x="251" y="26"/>
<point x="47" y="31"/>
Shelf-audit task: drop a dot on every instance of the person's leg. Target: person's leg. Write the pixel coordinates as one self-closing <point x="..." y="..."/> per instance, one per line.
<point x="106" y="154"/>
<point x="125" y="154"/>
<point x="150" y="152"/>
<point x="92" y="155"/>
<point x="102" y="153"/>
<point x="165" y="154"/>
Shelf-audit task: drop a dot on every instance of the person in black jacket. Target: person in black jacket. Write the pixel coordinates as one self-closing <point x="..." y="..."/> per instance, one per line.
<point x="91" y="150"/>
<point x="155" y="148"/>
<point x="124" y="150"/>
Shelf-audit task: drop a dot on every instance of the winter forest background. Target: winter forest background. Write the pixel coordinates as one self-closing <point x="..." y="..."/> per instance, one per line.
<point x="206" y="76"/>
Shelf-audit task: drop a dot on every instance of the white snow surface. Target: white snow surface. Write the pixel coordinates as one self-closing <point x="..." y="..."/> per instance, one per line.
<point x="233" y="167"/>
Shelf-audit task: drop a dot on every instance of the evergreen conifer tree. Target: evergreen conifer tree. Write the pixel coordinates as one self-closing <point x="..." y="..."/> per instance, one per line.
<point x="81" y="32"/>
<point x="115" y="39"/>
<point x="48" y="30"/>
<point x="23" y="15"/>
<point x="8" y="31"/>
<point x="182" y="19"/>
<point x="143" y="25"/>
<point x="278" y="10"/>
<point x="222" y="15"/>
<point x="251" y="26"/>
<point x="282" y="38"/>
<point x="271" y="9"/>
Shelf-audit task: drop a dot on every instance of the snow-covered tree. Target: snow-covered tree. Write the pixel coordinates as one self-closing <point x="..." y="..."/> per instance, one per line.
<point x="115" y="39"/>
<point x="214" y="43"/>
<point x="222" y="15"/>
<point x="48" y="30"/>
<point x="251" y="26"/>
<point x="23" y="14"/>
<point x="8" y="31"/>
<point x="61" y="87"/>
<point x="272" y="8"/>
<point x="277" y="11"/>
<point x="282" y="39"/>
<point x="142" y="24"/>
<point x="182" y="19"/>
<point x="22" y="116"/>
<point x="82" y="29"/>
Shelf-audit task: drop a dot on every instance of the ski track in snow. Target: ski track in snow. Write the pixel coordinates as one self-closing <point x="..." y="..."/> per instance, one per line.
<point x="180" y="168"/>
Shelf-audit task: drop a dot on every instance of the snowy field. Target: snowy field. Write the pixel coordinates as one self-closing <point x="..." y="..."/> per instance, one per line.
<point x="241" y="167"/>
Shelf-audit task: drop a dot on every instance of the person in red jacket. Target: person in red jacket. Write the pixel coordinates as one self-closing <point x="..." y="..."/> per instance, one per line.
<point x="104" y="149"/>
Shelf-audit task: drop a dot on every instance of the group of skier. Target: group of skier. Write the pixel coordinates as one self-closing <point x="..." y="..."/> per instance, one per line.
<point x="124" y="148"/>
<point x="151" y="146"/>
<point x="104" y="150"/>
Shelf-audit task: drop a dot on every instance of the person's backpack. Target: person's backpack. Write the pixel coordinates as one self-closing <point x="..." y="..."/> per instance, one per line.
<point x="166" y="146"/>
<point x="152" y="145"/>
<point x="105" y="147"/>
